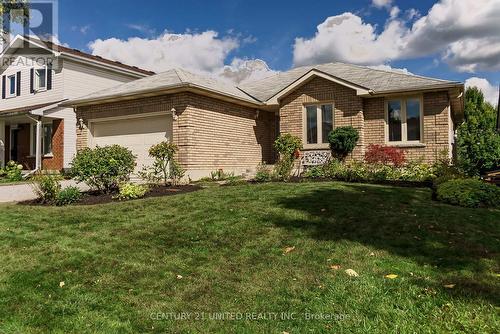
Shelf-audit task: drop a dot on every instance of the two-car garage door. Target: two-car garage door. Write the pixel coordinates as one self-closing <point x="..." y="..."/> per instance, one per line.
<point x="138" y="134"/>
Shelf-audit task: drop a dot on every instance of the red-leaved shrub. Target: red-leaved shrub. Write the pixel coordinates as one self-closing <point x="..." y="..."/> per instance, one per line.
<point x="385" y="155"/>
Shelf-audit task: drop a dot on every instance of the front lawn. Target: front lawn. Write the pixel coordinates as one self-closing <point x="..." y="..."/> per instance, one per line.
<point x="228" y="252"/>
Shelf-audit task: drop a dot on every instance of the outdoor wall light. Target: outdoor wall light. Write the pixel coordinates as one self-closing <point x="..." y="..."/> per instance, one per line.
<point x="80" y="124"/>
<point x="174" y="114"/>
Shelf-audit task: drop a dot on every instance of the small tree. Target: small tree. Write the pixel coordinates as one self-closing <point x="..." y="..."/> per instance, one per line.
<point x="103" y="168"/>
<point x="288" y="147"/>
<point x="164" y="166"/>
<point x="478" y="142"/>
<point x="343" y="141"/>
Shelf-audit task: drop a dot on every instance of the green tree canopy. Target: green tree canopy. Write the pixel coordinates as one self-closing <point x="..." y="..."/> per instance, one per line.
<point x="19" y="12"/>
<point x="478" y="143"/>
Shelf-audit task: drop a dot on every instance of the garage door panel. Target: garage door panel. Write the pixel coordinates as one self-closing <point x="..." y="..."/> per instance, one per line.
<point x="137" y="134"/>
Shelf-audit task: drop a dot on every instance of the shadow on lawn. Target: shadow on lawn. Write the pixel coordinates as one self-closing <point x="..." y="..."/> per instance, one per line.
<point x="403" y="222"/>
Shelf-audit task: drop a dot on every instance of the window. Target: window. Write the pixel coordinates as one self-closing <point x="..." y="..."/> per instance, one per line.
<point x="41" y="79"/>
<point x="46" y="139"/>
<point x="319" y="123"/>
<point x="11" y="84"/>
<point x="404" y="120"/>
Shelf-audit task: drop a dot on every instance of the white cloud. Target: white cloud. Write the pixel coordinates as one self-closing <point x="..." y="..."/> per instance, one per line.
<point x="82" y="29"/>
<point x="201" y="52"/>
<point x="490" y="92"/>
<point x="142" y="28"/>
<point x="381" y="3"/>
<point x="394" y="12"/>
<point x="412" y="13"/>
<point x="463" y="32"/>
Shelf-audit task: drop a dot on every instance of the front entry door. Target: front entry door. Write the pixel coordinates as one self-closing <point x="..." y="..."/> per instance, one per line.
<point x="14" y="140"/>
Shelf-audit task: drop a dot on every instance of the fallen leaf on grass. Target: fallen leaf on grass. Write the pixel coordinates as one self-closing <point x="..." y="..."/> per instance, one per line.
<point x="391" y="276"/>
<point x="179" y="276"/>
<point x="351" y="273"/>
<point x="335" y="266"/>
<point x="61" y="284"/>
<point x="372" y="254"/>
<point x="289" y="249"/>
<point x="449" y="286"/>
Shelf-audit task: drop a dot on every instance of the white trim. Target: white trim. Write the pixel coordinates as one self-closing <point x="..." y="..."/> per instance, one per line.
<point x="308" y="76"/>
<point x="36" y="88"/>
<point x="48" y="122"/>
<point x="404" y="130"/>
<point x="319" y="120"/>
<point x="8" y="94"/>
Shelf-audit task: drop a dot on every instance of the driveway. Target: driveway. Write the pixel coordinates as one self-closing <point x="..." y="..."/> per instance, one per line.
<point x="24" y="192"/>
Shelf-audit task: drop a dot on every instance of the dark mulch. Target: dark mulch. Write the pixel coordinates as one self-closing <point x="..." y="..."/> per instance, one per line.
<point x="91" y="197"/>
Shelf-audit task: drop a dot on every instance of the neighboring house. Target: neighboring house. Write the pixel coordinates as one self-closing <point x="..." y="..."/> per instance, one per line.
<point x="36" y="76"/>
<point x="218" y="125"/>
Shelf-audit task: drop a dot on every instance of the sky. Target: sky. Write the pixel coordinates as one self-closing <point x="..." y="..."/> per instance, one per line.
<point x="245" y="40"/>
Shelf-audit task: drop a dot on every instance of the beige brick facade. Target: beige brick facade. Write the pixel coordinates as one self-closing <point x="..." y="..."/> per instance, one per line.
<point x="210" y="133"/>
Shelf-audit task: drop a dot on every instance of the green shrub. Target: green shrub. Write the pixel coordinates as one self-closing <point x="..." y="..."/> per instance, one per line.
<point x="131" y="191"/>
<point x="163" y="153"/>
<point x="263" y="173"/>
<point x="220" y="175"/>
<point x="46" y="187"/>
<point x="13" y="171"/>
<point x="343" y="141"/>
<point x="176" y="171"/>
<point x="469" y="193"/>
<point x="417" y="172"/>
<point x="68" y="196"/>
<point x="315" y="172"/>
<point x="103" y="168"/>
<point x="288" y="148"/>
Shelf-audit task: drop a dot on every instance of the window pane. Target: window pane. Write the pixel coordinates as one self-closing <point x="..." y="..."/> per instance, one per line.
<point x="394" y="111"/>
<point x="47" y="138"/>
<point x="41" y="78"/>
<point x="413" y="119"/>
<point x="12" y="81"/>
<point x="312" y="124"/>
<point x="327" y="121"/>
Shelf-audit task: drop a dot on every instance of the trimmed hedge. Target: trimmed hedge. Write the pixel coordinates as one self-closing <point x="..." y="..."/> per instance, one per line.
<point x="470" y="193"/>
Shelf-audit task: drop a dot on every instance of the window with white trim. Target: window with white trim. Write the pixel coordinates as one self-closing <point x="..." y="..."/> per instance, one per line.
<point x="46" y="139"/>
<point x="318" y="123"/>
<point x="41" y="79"/>
<point x="404" y="120"/>
<point x="11" y="85"/>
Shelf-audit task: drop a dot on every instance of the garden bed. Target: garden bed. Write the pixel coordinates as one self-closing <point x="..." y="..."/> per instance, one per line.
<point x="92" y="197"/>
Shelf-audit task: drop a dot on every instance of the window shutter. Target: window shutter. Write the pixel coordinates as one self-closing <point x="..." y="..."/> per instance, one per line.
<point x="3" y="86"/>
<point x="32" y="80"/>
<point x="18" y="88"/>
<point x="49" y="77"/>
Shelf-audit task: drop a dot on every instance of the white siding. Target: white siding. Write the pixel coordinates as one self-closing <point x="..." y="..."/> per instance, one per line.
<point x="69" y="132"/>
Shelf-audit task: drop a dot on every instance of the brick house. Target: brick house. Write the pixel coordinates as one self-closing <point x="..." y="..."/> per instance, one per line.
<point x="219" y="125"/>
<point x="36" y="77"/>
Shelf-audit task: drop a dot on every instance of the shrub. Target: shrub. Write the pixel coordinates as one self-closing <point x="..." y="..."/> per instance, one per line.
<point x="343" y="141"/>
<point x="131" y="191"/>
<point x="315" y="172"/>
<point x="288" y="148"/>
<point x="385" y="155"/>
<point x="176" y="172"/>
<point x="263" y="173"/>
<point x="163" y="153"/>
<point x="469" y="193"/>
<point x="220" y="175"/>
<point x="13" y="171"/>
<point x="46" y="187"/>
<point x="68" y="196"/>
<point x="417" y="172"/>
<point x="103" y="168"/>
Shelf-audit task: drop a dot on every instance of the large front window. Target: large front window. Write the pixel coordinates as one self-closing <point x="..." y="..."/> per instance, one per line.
<point x="46" y="139"/>
<point x="41" y="78"/>
<point x="319" y="123"/>
<point x="404" y="120"/>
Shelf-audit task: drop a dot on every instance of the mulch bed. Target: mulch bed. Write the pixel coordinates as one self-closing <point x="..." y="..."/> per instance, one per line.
<point x="91" y="198"/>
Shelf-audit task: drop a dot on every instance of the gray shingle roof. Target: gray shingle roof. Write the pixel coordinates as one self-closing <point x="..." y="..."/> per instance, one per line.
<point x="259" y="91"/>
<point x="372" y="79"/>
<point x="166" y="80"/>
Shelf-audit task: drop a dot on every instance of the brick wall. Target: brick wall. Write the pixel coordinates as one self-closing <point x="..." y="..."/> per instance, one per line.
<point x="348" y="108"/>
<point x="436" y="126"/>
<point x="210" y="133"/>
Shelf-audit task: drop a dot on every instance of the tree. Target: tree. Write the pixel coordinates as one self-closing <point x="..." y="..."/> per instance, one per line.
<point x="19" y="12"/>
<point x="343" y="141"/>
<point x="478" y="142"/>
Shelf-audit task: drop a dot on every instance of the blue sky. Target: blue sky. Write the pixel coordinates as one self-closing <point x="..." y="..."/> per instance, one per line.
<point x="267" y="30"/>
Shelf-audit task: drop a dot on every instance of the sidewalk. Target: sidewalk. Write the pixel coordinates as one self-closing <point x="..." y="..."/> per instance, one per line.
<point x="24" y="192"/>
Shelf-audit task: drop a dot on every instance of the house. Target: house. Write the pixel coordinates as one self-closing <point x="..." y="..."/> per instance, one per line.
<point x="36" y="76"/>
<point x="219" y="125"/>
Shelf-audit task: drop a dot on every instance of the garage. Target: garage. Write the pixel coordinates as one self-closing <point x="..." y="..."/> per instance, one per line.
<point x="137" y="133"/>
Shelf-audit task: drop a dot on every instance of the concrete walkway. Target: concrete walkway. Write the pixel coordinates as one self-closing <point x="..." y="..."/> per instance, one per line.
<point x="24" y="192"/>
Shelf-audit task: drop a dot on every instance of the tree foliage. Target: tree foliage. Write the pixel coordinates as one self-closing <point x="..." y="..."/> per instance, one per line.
<point x="478" y="142"/>
<point x="19" y="12"/>
<point x="343" y="141"/>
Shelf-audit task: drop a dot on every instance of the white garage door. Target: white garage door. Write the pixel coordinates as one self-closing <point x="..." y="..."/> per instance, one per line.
<point x="137" y="134"/>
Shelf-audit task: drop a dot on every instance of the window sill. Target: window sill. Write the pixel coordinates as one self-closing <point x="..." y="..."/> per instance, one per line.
<point x="49" y="155"/>
<point x="316" y="147"/>
<point x="409" y="145"/>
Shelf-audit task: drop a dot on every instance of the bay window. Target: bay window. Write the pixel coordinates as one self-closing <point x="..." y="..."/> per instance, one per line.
<point x="318" y="123"/>
<point x="404" y="120"/>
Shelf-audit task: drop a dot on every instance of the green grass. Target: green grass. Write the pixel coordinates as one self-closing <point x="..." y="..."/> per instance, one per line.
<point x="120" y="262"/>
